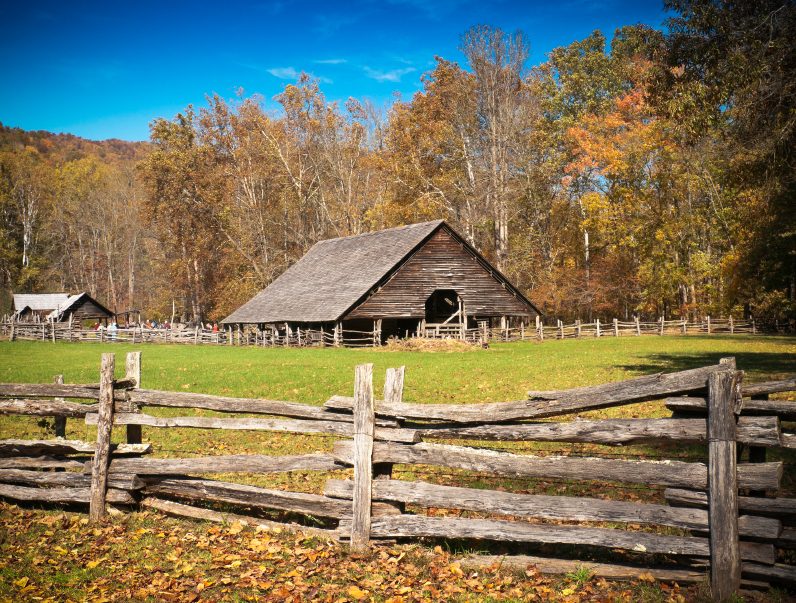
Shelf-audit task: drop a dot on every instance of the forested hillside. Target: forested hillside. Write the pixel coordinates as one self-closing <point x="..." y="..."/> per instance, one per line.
<point x="650" y="175"/>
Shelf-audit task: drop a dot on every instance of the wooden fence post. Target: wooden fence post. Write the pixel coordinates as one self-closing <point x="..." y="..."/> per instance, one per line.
<point x="708" y="325"/>
<point x="731" y="326"/>
<point x="598" y="328"/>
<point x="364" y="422"/>
<point x="60" y="422"/>
<point x="133" y="371"/>
<point x="541" y="330"/>
<point x="11" y="338"/>
<point x="52" y="326"/>
<point x="752" y="318"/>
<point x="195" y="336"/>
<point x="638" y="328"/>
<point x="662" y="326"/>
<point x="725" y="558"/>
<point x="393" y="392"/>
<point x="616" y="327"/>
<point x="561" y="329"/>
<point x="577" y="322"/>
<point x="685" y="325"/>
<point x="99" y="476"/>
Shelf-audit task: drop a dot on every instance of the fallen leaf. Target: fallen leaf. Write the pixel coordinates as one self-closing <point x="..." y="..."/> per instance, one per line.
<point x="356" y="593"/>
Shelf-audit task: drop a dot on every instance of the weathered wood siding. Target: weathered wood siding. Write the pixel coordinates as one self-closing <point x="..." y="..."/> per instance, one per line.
<point x="86" y="308"/>
<point x="441" y="264"/>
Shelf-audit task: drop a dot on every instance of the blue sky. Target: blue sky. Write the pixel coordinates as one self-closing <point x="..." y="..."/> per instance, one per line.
<point x="106" y="69"/>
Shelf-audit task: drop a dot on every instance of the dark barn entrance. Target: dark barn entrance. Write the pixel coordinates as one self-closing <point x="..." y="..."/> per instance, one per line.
<point x="441" y="305"/>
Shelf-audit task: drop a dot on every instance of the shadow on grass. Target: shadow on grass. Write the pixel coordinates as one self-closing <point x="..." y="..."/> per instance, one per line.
<point x="769" y="364"/>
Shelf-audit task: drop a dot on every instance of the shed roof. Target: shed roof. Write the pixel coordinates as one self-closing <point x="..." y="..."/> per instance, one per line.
<point x="333" y="276"/>
<point x="39" y="302"/>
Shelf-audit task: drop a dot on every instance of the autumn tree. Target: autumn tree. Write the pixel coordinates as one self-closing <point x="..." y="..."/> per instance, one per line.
<point x="181" y="187"/>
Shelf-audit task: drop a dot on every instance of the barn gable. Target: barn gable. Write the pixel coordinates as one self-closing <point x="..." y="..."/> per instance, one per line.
<point x="80" y="306"/>
<point x="445" y="262"/>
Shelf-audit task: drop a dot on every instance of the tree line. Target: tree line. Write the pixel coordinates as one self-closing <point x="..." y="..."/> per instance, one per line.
<point x="649" y="176"/>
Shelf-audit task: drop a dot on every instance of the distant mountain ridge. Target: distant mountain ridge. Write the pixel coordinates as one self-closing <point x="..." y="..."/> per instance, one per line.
<point x="68" y="147"/>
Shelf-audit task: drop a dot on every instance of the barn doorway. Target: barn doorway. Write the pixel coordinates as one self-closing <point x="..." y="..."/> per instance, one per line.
<point x="441" y="305"/>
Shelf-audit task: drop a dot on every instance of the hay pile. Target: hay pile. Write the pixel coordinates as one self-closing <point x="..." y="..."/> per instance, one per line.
<point x="422" y="344"/>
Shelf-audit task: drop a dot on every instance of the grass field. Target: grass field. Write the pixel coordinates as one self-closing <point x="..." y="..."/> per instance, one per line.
<point x="503" y="372"/>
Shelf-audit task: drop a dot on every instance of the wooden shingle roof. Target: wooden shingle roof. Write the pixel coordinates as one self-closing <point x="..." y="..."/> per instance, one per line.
<point x="333" y="275"/>
<point x="39" y="302"/>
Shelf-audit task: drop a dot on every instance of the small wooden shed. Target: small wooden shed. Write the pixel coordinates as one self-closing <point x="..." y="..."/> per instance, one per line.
<point x="401" y="279"/>
<point x="58" y="307"/>
<point x="36" y="306"/>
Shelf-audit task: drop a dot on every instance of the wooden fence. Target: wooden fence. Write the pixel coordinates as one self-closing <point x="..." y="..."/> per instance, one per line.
<point x="271" y="336"/>
<point x="736" y="536"/>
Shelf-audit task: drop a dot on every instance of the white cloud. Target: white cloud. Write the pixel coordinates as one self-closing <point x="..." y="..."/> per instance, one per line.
<point x="388" y="76"/>
<point x="284" y="73"/>
<point x="332" y="61"/>
<point x="325" y="80"/>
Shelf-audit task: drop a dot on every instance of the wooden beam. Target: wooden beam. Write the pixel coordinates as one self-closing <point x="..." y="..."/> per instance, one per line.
<point x="54" y="390"/>
<point x="40" y="462"/>
<point x="55" y="408"/>
<point x="783" y="509"/>
<point x="69" y="479"/>
<point x="413" y="526"/>
<point x="759" y="476"/>
<point x="294" y="426"/>
<point x="249" y="463"/>
<point x="556" y="508"/>
<point x="549" y="404"/>
<point x="64" y="495"/>
<point x="606" y="571"/>
<point x="785" y="409"/>
<point x="757" y="431"/>
<point x="33" y="447"/>
<point x="155" y="398"/>
<point x="239" y="494"/>
<point x="769" y="387"/>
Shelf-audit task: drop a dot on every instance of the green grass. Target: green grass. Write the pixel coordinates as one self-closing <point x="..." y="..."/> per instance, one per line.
<point x="503" y="372"/>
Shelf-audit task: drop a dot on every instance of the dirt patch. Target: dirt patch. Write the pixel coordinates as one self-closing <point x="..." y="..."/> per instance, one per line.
<point x="421" y="344"/>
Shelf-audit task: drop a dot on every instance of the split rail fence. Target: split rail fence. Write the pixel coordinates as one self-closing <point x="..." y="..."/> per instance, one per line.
<point x="728" y="514"/>
<point x="270" y="336"/>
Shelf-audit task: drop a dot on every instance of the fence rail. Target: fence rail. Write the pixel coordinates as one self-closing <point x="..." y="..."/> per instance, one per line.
<point x="272" y="337"/>
<point x="736" y="536"/>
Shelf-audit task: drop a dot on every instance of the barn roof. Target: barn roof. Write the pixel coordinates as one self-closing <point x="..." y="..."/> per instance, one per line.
<point x="74" y="302"/>
<point x="333" y="276"/>
<point x="39" y="302"/>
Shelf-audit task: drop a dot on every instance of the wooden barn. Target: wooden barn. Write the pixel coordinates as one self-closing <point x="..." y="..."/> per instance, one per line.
<point x="58" y="306"/>
<point x="417" y="279"/>
<point x="81" y="307"/>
